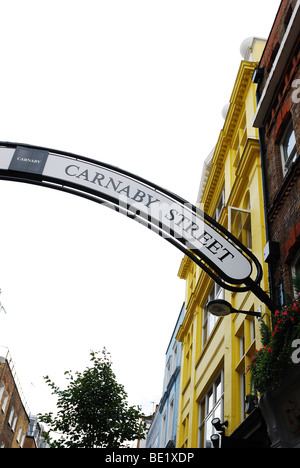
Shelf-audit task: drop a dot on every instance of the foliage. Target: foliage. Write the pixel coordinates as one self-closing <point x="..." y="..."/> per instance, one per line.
<point x="270" y="363"/>
<point x="92" y="412"/>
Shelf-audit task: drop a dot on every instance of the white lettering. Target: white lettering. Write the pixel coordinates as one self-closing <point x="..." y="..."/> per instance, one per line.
<point x="170" y="457"/>
<point x="35" y="161"/>
<point x="296" y="353"/>
<point x="296" y="93"/>
<point x="116" y="458"/>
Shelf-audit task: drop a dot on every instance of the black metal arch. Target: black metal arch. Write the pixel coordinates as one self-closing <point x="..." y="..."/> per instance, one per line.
<point x="26" y="171"/>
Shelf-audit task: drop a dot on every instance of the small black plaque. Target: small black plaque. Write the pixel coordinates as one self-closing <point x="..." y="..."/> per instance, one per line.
<point x="28" y="160"/>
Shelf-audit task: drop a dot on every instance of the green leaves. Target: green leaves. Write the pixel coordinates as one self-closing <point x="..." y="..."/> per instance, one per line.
<point x="93" y="411"/>
<point x="270" y="363"/>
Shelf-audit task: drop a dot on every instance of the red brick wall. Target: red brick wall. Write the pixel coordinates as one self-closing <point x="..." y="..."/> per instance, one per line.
<point x="7" y="435"/>
<point x="283" y="190"/>
<point x="276" y="34"/>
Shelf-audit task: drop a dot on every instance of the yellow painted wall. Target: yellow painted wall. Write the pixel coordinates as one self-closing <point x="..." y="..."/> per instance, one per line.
<point x="227" y="349"/>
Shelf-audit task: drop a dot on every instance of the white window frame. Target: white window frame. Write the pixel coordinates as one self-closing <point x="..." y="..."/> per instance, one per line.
<point x="170" y="418"/>
<point x="252" y="327"/>
<point x="209" y="320"/>
<point x="212" y="409"/>
<point x="249" y="232"/>
<point x="175" y="356"/>
<point x="19" y="434"/>
<point x="23" y="440"/>
<point x="5" y="402"/>
<point x="163" y="428"/>
<point x="13" y="427"/>
<point x="11" y="415"/>
<point x="168" y="371"/>
<point x="2" y="388"/>
<point x="295" y="266"/>
<point x="288" y="159"/>
<point x="220" y="206"/>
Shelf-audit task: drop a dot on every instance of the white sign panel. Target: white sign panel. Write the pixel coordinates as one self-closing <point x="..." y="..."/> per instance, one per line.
<point x="141" y="200"/>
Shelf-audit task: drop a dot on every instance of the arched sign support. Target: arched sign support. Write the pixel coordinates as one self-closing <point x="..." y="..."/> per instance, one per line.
<point x="207" y="243"/>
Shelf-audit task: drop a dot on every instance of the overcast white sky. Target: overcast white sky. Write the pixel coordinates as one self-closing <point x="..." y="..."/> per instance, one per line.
<point x="135" y="83"/>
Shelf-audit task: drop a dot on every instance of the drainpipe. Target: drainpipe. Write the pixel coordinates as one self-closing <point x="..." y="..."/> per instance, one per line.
<point x="264" y="187"/>
<point x="257" y="78"/>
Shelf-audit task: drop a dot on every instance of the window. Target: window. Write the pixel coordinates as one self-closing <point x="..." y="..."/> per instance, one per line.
<point x="163" y="429"/>
<point x="185" y="431"/>
<point x="5" y="401"/>
<point x="242" y="374"/>
<point x="245" y="347"/>
<point x="239" y="224"/>
<point x="170" y="419"/>
<point x="243" y="395"/>
<point x="288" y="148"/>
<point x="296" y="273"/>
<point x="220" y="206"/>
<point x="175" y="347"/>
<point x="252" y="328"/>
<point x="210" y="407"/>
<point x="168" y="371"/>
<point x="242" y="345"/>
<point x="239" y="141"/>
<point x="210" y="320"/>
<point x="188" y="353"/>
<point x="19" y="434"/>
<point x="2" y="388"/>
<point x="23" y="440"/>
<point x="10" y="419"/>
<point x="13" y="427"/>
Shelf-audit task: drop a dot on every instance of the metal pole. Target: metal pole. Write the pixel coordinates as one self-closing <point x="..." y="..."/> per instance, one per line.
<point x="262" y="295"/>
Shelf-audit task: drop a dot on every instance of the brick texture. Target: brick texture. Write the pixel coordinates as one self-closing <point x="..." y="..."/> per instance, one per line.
<point x="283" y="189"/>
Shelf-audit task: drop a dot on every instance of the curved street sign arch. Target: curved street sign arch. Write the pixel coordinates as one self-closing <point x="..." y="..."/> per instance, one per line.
<point x="198" y="236"/>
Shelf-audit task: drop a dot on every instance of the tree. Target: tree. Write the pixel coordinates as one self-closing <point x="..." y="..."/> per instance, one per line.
<point x="92" y="412"/>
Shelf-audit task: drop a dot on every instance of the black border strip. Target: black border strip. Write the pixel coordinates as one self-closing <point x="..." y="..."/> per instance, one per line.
<point x="95" y="196"/>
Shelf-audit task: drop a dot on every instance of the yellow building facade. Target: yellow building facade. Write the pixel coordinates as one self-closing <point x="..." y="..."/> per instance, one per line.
<point x="216" y="351"/>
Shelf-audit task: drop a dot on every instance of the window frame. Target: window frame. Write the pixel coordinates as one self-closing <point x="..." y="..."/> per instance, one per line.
<point x="209" y="321"/>
<point x="220" y="206"/>
<point x="5" y="402"/>
<point x="211" y="406"/>
<point x="294" y="267"/>
<point x="288" y="159"/>
<point x="2" y="390"/>
<point x="244" y="234"/>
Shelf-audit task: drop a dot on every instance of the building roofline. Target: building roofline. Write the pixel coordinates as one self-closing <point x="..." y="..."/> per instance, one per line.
<point x="278" y="67"/>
